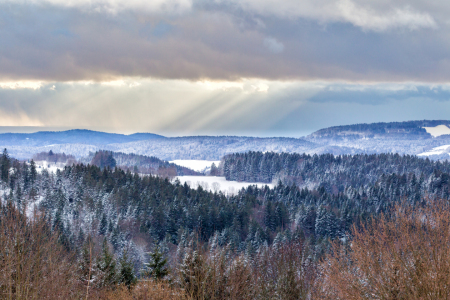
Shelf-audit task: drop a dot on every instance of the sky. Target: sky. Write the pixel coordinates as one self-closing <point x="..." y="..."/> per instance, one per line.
<point x="216" y="67"/>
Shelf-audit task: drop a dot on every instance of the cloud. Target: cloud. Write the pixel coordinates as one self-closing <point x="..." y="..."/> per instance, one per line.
<point x="364" y="41"/>
<point x="368" y="15"/>
<point x="273" y="45"/>
<point x="115" y="6"/>
<point x="369" y="19"/>
<point x="21" y="85"/>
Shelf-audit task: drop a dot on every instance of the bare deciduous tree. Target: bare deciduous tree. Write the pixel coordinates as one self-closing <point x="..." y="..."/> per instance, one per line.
<point x="33" y="264"/>
<point x="402" y="256"/>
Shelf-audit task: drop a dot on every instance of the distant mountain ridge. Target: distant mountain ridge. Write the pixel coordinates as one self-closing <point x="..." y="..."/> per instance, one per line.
<point x="74" y="136"/>
<point x="405" y="130"/>
<point x="396" y="137"/>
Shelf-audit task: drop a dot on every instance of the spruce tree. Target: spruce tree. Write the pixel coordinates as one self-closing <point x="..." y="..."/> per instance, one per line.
<point x="106" y="267"/>
<point x="6" y="164"/>
<point x="126" y="273"/>
<point x="103" y="225"/>
<point x="157" y="267"/>
<point x="33" y="172"/>
<point x="214" y="170"/>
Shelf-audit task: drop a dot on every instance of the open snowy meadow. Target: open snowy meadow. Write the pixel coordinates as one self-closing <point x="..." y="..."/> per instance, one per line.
<point x="216" y="183"/>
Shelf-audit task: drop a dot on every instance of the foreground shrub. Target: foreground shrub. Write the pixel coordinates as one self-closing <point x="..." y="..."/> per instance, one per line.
<point x="283" y="271"/>
<point x="145" y="290"/>
<point x="33" y="264"/>
<point x="404" y="256"/>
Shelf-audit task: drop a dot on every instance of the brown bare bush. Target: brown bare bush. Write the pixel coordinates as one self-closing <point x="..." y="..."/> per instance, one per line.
<point x="284" y="272"/>
<point x="404" y="256"/>
<point x="33" y="264"/>
<point x="145" y="290"/>
<point x="239" y="285"/>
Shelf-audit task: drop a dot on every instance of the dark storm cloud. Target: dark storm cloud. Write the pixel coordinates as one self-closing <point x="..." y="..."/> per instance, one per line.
<point x="54" y="41"/>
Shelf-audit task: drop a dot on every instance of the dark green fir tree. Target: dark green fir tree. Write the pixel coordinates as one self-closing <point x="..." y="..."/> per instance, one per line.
<point x="157" y="267"/>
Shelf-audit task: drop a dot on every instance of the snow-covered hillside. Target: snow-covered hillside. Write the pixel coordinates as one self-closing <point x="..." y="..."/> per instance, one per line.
<point x="445" y="149"/>
<point x="209" y="147"/>
<point x="27" y="152"/>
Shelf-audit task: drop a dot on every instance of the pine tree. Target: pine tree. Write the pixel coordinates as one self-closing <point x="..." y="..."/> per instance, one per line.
<point x="103" y="159"/>
<point x="103" y="225"/>
<point x="126" y="273"/>
<point x="33" y="172"/>
<point x="157" y="267"/>
<point x="106" y="267"/>
<point x="214" y="170"/>
<point x="6" y="164"/>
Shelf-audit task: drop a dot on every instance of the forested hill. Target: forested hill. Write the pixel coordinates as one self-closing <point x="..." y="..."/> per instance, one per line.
<point x="88" y="206"/>
<point x="409" y="130"/>
<point x="395" y="137"/>
<point x="145" y="164"/>
<point x="333" y="172"/>
<point x="210" y="147"/>
<point x="133" y="213"/>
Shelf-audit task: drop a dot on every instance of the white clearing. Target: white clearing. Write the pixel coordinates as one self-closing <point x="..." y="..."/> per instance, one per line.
<point x="438" y="130"/>
<point x="201" y="166"/>
<point x="50" y="166"/>
<point x="216" y="184"/>
<point x="436" y="151"/>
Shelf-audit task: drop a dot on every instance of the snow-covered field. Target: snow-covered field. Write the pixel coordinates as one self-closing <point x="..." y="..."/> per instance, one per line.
<point x="438" y="130"/>
<point x="50" y="166"/>
<point x="201" y="166"/>
<point x="213" y="183"/>
<point x="437" y="151"/>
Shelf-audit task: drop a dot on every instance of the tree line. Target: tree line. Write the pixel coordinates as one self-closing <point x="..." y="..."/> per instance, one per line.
<point x="337" y="171"/>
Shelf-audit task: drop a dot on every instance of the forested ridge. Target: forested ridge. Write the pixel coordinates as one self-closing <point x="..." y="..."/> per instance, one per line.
<point x="150" y="164"/>
<point x="408" y="130"/>
<point x="338" y="171"/>
<point x="120" y="216"/>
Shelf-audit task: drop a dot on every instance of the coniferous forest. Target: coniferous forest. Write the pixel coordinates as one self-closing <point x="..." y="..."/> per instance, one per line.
<point x="106" y="233"/>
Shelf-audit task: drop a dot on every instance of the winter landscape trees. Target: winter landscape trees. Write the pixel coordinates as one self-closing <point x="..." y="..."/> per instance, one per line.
<point x="99" y="224"/>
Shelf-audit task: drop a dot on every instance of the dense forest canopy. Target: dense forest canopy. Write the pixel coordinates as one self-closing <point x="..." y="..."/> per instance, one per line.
<point x="333" y="172"/>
